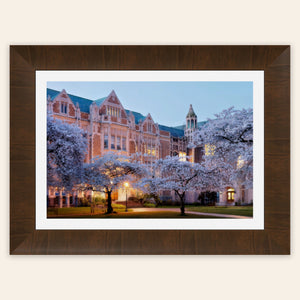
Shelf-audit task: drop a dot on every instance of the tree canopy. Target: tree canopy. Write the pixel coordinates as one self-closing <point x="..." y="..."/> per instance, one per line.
<point x="228" y="142"/>
<point x="66" y="149"/>
<point x="179" y="176"/>
<point x="108" y="172"/>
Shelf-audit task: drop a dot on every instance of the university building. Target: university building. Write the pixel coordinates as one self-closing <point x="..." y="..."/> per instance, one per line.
<point x="111" y="127"/>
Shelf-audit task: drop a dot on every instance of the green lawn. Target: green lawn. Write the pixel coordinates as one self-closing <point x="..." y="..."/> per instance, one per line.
<point x="130" y="215"/>
<point x="229" y="210"/>
<point x="81" y="210"/>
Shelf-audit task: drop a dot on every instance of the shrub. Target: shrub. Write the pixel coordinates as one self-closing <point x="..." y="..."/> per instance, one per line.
<point x="84" y="202"/>
<point x="99" y="200"/>
<point x="238" y="203"/>
<point x="147" y="204"/>
<point x="166" y="200"/>
<point x="151" y="198"/>
<point x="134" y="199"/>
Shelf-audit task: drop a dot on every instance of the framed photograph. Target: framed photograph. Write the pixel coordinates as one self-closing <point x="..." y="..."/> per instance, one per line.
<point x="150" y="150"/>
<point x="165" y="186"/>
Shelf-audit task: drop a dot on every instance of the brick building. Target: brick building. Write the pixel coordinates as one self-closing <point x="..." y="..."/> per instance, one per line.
<point x="111" y="127"/>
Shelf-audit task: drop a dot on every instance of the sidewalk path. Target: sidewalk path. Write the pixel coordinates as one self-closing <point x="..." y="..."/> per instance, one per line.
<point x="146" y="209"/>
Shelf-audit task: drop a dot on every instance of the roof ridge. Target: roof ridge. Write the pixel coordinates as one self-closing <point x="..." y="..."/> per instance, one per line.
<point x="77" y="96"/>
<point x="135" y="112"/>
<point x="169" y="126"/>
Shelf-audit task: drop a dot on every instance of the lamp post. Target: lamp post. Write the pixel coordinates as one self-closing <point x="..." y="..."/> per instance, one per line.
<point x="126" y="184"/>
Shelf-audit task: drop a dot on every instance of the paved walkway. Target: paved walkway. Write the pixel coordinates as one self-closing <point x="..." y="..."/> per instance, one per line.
<point x="146" y="209"/>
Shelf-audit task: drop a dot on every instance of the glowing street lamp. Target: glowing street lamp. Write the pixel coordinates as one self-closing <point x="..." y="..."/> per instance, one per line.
<point x="126" y="184"/>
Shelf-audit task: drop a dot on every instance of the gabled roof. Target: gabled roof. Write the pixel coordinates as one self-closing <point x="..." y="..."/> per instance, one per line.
<point x="100" y="101"/>
<point x="173" y="131"/>
<point x="52" y="94"/>
<point x="84" y="104"/>
<point x="137" y="116"/>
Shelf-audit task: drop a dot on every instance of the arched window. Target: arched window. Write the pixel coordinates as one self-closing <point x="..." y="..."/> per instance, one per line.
<point x="189" y="124"/>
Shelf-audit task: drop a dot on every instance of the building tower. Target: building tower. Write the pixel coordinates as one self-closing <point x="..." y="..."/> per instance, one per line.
<point x="191" y="124"/>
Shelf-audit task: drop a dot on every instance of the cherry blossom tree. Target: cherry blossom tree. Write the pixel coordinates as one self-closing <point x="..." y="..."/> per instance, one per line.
<point x="228" y="142"/>
<point x="151" y="184"/>
<point x="179" y="176"/>
<point x="66" y="149"/>
<point x="106" y="173"/>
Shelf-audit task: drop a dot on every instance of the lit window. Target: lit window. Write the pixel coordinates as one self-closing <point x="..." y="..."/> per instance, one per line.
<point x="150" y="150"/>
<point x="209" y="149"/>
<point x="230" y="194"/>
<point x="109" y="110"/>
<point x="240" y="162"/>
<point x="182" y="156"/>
<point x="112" y="111"/>
<point x="112" y="142"/>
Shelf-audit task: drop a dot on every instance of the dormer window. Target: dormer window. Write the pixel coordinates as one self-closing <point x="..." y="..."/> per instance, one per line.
<point x="63" y="108"/>
<point x="149" y="127"/>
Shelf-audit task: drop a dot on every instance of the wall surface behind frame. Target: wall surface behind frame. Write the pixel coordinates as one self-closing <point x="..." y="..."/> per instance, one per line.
<point x="156" y="22"/>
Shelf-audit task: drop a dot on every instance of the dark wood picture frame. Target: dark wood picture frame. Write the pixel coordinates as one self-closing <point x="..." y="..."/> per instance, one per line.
<point x="273" y="60"/>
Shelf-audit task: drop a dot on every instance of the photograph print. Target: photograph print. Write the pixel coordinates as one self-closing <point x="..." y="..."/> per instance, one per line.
<point x="149" y="150"/>
<point x="161" y="153"/>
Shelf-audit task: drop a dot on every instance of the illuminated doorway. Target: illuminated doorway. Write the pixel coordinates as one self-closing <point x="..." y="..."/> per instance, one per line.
<point x="230" y="195"/>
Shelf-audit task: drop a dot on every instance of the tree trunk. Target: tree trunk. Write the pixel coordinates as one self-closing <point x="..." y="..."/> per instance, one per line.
<point x="181" y="196"/>
<point x="182" y="206"/>
<point x="109" y="207"/>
